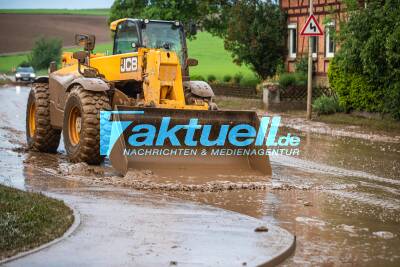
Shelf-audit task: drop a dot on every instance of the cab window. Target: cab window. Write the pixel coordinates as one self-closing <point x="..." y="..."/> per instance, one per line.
<point x="126" y="35"/>
<point x="161" y="35"/>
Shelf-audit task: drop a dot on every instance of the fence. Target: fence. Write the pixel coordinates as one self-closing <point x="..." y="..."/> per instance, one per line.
<point x="292" y="93"/>
<point x="289" y="94"/>
<point x="235" y="90"/>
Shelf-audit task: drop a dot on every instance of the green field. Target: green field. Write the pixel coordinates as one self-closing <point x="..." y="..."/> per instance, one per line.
<point x="96" y="12"/>
<point x="8" y="63"/>
<point x="208" y="50"/>
<point x="214" y="59"/>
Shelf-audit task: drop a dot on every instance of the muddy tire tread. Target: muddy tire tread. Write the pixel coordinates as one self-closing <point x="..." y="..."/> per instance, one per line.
<point x="92" y="103"/>
<point x="46" y="138"/>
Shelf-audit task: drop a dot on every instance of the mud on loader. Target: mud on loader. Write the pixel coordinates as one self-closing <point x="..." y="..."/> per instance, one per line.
<point x="148" y="71"/>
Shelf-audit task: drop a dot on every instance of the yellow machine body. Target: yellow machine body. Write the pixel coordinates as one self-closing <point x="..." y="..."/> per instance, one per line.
<point x="154" y="81"/>
<point x="160" y="72"/>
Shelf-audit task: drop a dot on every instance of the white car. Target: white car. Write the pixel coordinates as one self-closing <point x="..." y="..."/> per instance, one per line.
<point x="26" y="74"/>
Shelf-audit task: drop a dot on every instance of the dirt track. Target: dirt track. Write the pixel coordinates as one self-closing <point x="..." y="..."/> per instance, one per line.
<point x="20" y="31"/>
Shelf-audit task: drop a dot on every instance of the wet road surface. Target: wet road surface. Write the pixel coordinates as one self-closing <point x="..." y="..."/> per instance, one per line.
<point x="340" y="197"/>
<point x="123" y="227"/>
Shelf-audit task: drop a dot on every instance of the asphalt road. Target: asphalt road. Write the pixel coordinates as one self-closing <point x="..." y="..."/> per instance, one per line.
<point x="122" y="227"/>
<point x="340" y="197"/>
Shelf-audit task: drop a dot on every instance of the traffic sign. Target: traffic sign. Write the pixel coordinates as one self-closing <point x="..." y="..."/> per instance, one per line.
<point x="311" y="28"/>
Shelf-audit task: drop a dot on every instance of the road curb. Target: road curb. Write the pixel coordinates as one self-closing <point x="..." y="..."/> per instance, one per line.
<point x="284" y="254"/>
<point x="278" y="259"/>
<point x="69" y="232"/>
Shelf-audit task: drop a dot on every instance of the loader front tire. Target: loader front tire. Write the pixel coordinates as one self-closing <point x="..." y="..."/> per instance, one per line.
<point x="40" y="135"/>
<point x="81" y="127"/>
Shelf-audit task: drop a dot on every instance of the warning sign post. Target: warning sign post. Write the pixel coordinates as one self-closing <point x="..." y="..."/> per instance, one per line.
<point x="311" y="28"/>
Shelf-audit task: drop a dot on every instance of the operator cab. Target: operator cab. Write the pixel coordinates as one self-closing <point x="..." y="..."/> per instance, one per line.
<point x="130" y="34"/>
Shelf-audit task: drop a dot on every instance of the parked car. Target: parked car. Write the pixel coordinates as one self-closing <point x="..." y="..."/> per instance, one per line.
<point x="26" y="74"/>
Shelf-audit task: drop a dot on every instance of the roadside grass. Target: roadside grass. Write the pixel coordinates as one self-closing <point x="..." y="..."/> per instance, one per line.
<point x="238" y="103"/>
<point x="95" y="11"/>
<point x="207" y="49"/>
<point x="385" y="124"/>
<point x="9" y="62"/>
<point x="28" y="220"/>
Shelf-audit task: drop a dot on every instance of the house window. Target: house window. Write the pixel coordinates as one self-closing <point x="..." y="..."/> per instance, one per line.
<point x="314" y="46"/>
<point x="292" y="40"/>
<point x="329" y="41"/>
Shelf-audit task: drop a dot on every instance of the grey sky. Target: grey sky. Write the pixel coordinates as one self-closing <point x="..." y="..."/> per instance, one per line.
<point x="71" y="4"/>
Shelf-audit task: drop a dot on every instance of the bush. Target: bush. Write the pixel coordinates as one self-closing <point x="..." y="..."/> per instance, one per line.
<point x="237" y="78"/>
<point x="280" y="67"/>
<point x="286" y="80"/>
<point x="365" y="72"/>
<point x="24" y="64"/>
<point x="354" y="90"/>
<point x="326" y="105"/>
<point x="301" y="79"/>
<point x="297" y="79"/>
<point x="302" y="65"/>
<point x="393" y="105"/>
<point x="227" y="78"/>
<point x="197" y="78"/>
<point x="211" y="78"/>
<point x="44" y="52"/>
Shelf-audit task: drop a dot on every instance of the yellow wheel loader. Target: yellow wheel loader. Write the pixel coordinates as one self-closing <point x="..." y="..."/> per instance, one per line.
<point x="145" y="81"/>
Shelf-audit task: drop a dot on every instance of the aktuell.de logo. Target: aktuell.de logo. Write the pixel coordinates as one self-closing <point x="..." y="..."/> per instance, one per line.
<point x="144" y="135"/>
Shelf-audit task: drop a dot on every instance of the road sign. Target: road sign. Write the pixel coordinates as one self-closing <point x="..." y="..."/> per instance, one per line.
<point x="311" y="28"/>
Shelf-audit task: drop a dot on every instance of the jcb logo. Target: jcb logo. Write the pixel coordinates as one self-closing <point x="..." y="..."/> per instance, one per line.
<point x="128" y="64"/>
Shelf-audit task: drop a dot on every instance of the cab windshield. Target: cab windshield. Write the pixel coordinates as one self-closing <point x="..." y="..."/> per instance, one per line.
<point x="163" y="35"/>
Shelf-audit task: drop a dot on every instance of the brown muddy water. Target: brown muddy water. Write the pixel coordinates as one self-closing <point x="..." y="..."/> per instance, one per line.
<point x="340" y="196"/>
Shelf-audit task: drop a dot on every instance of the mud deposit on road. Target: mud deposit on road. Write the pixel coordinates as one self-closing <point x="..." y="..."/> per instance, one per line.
<point x="340" y="197"/>
<point x="143" y="179"/>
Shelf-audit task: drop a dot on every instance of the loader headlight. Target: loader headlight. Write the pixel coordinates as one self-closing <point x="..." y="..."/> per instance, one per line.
<point x="18" y="75"/>
<point x="177" y="23"/>
<point x="32" y="75"/>
<point x="146" y="21"/>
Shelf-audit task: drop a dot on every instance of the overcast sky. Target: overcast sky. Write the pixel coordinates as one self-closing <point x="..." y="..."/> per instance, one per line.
<point x="71" y="4"/>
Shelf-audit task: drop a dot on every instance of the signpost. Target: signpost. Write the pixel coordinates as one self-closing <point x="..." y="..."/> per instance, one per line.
<point x="311" y="28"/>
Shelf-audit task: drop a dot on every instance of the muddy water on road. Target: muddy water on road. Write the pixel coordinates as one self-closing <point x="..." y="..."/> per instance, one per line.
<point x="341" y="196"/>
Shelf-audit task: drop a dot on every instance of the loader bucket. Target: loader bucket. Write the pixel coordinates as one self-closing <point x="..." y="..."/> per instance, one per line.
<point x="184" y="159"/>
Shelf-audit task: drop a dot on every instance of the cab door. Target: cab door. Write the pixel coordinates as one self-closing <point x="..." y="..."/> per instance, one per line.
<point x="126" y="38"/>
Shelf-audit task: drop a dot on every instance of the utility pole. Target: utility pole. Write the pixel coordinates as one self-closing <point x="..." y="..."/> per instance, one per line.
<point x="310" y="62"/>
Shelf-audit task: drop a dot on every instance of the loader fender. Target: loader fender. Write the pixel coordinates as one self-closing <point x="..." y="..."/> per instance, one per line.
<point x="199" y="88"/>
<point x="41" y="79"/>
<point x="90" y="84"/>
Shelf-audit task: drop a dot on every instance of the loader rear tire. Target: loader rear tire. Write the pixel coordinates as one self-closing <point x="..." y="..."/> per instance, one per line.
<point x="81" y="128"/>
<point x="40" y="135"/>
